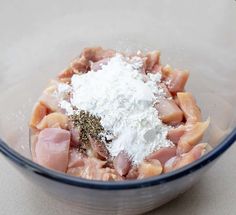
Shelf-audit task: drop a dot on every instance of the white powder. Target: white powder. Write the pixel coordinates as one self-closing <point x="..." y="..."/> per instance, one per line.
<point x="67" y="106"/>
<point x="63" y="88"/>
<point x="118" y="94"/>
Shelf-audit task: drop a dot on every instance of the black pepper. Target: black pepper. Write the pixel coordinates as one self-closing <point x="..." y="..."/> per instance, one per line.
<point x="89" y="125"/>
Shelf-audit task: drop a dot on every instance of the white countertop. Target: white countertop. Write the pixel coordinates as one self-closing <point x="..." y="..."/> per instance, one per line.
<point x="215" y="194"/>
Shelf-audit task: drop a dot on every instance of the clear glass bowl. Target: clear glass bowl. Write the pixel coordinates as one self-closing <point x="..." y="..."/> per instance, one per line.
<point x="199" y="36"/>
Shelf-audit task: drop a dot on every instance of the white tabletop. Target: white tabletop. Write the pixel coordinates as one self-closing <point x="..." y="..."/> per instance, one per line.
<point x="215" y="193"/>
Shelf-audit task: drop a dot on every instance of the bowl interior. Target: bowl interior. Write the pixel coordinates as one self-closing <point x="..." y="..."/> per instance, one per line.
<point x="204" y="44"/>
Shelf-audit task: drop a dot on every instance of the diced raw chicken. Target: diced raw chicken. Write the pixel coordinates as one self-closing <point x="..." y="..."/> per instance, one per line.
<point x="176" y="100"/>
<point x="97" y="53"/>
<point x="166" y="71"/>
<point x="49" y="99"/>
<point x="122" y="163"/>
<point x="75" y="171"/>
<point x="91" y="168"/>
<point x="133" y="173"/>
<point x="94" y="169"/>
<point x="152" y="59"/>
<point x="169" y="112"/>
<point x="54" y="120"/>
<point x="156" y="69"/>
<point x="133" y="54"/>
<point x="149" y="168"/>
<point x="76" y="159"/>
<point x="99" y="149"/>
<point x="188" y="105"/>
<point x="98" y="65"/>
<point x="52" y="148"/>
<point x="185" y="159"/>
<point x="170" y="164"/>
<point x="175" y="134"/>
<point x="83" y="62"/>
<point x="199" y="150"/>
<point x="192" y="136"/>
<point x="110" y="175"/>
<point x="177" y="81"/>
<point x="75" y="137"/>
<point x="105" y="175"/>
<point x="163" y="154"/>
<point x="94" y="163"/>
<point x="80" y="64"/>
<point x="108" y="53"/>
<point x="65" y="80"/>
<point x="165" y="89"/>
<point x="66" y="74"/>
<point x="39" y="112"/>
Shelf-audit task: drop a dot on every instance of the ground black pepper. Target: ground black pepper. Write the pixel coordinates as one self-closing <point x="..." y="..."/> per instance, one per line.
<point x="88" y="124"/>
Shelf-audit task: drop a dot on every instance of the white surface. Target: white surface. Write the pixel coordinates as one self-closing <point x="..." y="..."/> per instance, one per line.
<point x="215" y="194"/>
<point x="23" y="21"/>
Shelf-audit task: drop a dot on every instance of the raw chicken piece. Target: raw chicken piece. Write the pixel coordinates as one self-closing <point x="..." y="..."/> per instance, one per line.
<point x="165" y="89"/>
<point x="156" y="69"/>
<point x="75" y="137"/>
<point x="54" y="120"/>
<point x="52" y="148"/>
<point x="122" y="163"/>
<point x="39" y="112"/>
<point x="83" y="62"/>
<point x="175" y="98"/>
<point x="169" y="112"/>
<point x="75" y="171"/>
<point x="166" y="71"/>
<point x="149" y="168"/>
<point x="66" y="74"/>
<point x="152" y="59"/>
<point x="110" y="175"/>
<point x="192" y="136"/>
<point x="98" y="65"/>
<point x="97" y="53"/>
<point x="188" y="105"/>
<point x="76" y="159"/>
<point x="80" y="64"/>
<point x="177" y="81"/>
<point x="163" y="154"/>
<point x="133" y="173"/>
<point x="175" y="134"/>
<point x="185" y="159"/>
<point x="99" y="149"/>
<point x="94" y="169"/>
<point x="48" y="98"/>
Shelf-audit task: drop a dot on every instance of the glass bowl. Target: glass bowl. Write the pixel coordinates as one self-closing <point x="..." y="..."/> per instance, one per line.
<point x="198" y="36"/>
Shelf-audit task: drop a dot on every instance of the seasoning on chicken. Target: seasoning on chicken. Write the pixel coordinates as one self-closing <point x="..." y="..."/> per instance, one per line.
<point x="115" y="116"/>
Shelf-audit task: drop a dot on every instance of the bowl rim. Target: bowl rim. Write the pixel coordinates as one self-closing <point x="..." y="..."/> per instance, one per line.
<point x="31" y="166"/>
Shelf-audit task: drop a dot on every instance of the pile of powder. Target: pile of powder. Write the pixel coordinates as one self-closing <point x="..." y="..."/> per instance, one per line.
<point x="124" y="98"/>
